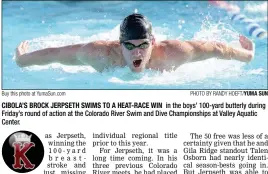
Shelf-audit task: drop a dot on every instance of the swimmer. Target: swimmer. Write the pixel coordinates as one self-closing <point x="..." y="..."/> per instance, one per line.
<point x="137" y="49"/>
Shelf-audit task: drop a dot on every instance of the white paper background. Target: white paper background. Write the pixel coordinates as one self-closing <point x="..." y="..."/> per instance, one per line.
<point x="87" y="125"/>
<point x="180" y="125"/>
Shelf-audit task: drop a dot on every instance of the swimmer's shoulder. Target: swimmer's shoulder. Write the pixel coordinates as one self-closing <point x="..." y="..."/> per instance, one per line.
<point x="175" y="51"/>
<point x="172" y="44"/>
<point x="162" y="48"/>
<point x="181" y="48"/>
<point x="107" y="50"/>
<point x="99" y="48"/>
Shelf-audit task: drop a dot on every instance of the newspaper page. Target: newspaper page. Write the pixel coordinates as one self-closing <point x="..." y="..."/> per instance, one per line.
<point x="134" y="87"/>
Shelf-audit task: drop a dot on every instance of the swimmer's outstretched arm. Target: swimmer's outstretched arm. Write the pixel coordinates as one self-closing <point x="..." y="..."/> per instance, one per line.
<point x="65" y="55"/>
<point x="202" y="50"/>
<point x="78" y="54"/>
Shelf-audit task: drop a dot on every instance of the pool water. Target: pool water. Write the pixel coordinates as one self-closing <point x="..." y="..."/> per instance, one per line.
<point x="57" y="23"/>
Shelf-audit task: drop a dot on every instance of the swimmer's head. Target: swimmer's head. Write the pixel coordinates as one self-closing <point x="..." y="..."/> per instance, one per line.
<point x="136" y="41"/>
<point x="135" y="26"/>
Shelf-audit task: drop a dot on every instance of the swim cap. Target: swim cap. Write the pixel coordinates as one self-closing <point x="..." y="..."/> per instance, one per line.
<point x="135" y="26"/>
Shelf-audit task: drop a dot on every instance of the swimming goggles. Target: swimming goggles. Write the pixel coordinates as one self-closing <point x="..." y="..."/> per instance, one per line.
<point x="131" y="46"/>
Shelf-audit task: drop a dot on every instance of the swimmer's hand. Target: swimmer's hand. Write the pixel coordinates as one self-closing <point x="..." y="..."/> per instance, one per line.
<point x="22" y="48"/>
<point x="247" y="44"/>
<point x="247" y="50"/>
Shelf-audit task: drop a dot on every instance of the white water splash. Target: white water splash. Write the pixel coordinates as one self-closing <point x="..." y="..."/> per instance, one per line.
<point x="64" y="68"/>
<point x="260" y="8"/>
<point x="258" y="71"/>
<point x="187" y="73"/>
<point x="89" y="21"/>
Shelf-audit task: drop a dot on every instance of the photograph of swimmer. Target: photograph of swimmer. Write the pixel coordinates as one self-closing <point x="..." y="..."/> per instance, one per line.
<point x="144" y="45"/>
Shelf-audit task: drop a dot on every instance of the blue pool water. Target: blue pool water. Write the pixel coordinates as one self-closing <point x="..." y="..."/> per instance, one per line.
<point x="57" y="23"/>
